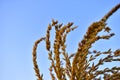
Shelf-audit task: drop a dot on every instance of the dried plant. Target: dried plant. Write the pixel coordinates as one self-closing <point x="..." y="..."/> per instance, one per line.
<point x="82" y="65"/>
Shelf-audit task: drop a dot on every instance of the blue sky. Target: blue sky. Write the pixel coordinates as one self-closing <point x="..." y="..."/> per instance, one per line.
<point x="24" y="21"/>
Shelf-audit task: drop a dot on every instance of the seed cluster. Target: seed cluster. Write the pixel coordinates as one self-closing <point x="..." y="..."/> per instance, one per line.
<point x="81" y="66"/>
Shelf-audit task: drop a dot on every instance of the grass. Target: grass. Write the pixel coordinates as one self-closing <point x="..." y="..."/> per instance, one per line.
<point x="81" y="66"/>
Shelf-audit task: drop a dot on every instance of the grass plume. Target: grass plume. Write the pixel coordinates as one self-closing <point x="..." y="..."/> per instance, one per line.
<point x="82" y="66"/>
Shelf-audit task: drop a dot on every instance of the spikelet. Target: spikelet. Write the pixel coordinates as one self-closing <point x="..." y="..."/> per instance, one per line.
<point x="48" y="37"/>
<point x="54" y="22"/>
<point x="117" y="52"/>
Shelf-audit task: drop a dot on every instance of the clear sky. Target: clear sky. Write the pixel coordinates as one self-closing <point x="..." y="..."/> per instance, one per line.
<point x="24" y="21"/>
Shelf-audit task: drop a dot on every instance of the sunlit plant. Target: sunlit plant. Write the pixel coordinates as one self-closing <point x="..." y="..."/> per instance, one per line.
<point x="80" y="64"/>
